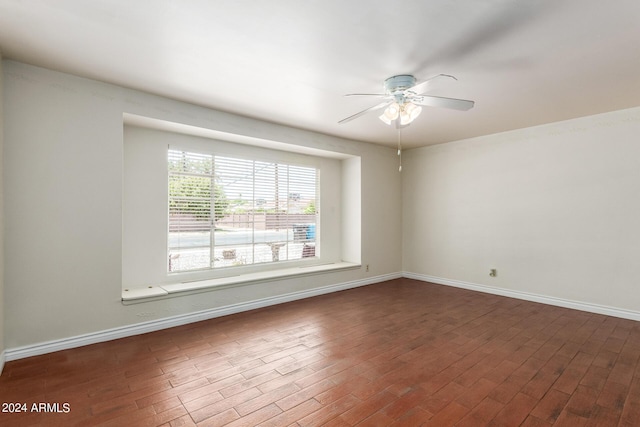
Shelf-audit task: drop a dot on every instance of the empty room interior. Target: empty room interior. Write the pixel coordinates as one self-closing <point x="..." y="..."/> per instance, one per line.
<point x="320" y="213"/>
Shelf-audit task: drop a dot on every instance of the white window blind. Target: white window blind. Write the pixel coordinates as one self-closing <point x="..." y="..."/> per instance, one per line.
<point x="226" y="211"/>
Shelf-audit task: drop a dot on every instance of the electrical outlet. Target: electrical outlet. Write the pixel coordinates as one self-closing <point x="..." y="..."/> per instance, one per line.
<point x="367" y="268"/>
<point x="493" y="272"/>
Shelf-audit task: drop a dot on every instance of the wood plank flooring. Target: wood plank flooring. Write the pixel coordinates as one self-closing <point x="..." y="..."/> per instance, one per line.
<point x="398" y="353"/>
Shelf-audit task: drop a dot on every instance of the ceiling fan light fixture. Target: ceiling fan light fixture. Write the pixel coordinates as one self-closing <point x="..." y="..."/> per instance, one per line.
<point x="404" y="99"/>
<point x="409" y="113"/>
<point x="390" y="113"/>
<point x="385" y="119"/>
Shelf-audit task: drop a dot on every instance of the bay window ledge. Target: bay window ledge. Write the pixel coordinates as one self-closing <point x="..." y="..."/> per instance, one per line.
<point x="162" y="291"/>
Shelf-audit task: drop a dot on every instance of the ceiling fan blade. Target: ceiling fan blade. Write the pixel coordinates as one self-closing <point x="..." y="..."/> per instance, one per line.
<point x="438" y="101"/>
<point x="363" y="112"/>
<point x="422" y="86"/>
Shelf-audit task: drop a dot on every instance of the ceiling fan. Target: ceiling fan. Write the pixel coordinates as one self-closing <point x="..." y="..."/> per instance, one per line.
<point x="403" y="100"/>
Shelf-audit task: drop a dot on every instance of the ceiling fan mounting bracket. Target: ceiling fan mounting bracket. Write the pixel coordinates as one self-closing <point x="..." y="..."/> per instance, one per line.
<point x="399" y="83"/>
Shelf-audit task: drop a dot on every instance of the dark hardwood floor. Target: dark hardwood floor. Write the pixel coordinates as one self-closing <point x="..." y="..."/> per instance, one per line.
<point x="402" y="352"/>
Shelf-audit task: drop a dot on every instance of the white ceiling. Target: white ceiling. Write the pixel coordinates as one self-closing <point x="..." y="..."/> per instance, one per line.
<point x="524" y="62"/>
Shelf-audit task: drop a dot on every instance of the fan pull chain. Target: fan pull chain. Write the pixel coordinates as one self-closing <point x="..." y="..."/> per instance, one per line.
<point x="400" y="149"/>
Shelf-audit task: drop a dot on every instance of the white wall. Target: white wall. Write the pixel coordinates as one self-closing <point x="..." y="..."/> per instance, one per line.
<point x="555" y="209"/>
<point x="63" y="197"/>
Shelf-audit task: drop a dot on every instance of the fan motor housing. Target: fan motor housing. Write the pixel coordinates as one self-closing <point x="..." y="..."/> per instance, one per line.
<point x="399" y="83"/>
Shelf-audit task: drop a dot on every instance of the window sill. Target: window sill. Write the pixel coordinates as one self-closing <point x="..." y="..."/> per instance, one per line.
<point x="157" y="292"/>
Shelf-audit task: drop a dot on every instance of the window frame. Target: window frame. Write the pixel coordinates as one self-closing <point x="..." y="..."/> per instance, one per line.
<point x="255" y="266"/>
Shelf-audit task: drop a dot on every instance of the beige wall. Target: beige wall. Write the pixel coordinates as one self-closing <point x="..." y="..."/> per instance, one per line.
<point x="63" y="193"/>
<point x="555" y="209"/>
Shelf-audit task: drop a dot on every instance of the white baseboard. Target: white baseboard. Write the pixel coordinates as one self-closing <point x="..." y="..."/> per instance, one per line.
<point x="169" y="322"/>
<point x="560" y="302"/>
<point x="2" y="359"/>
